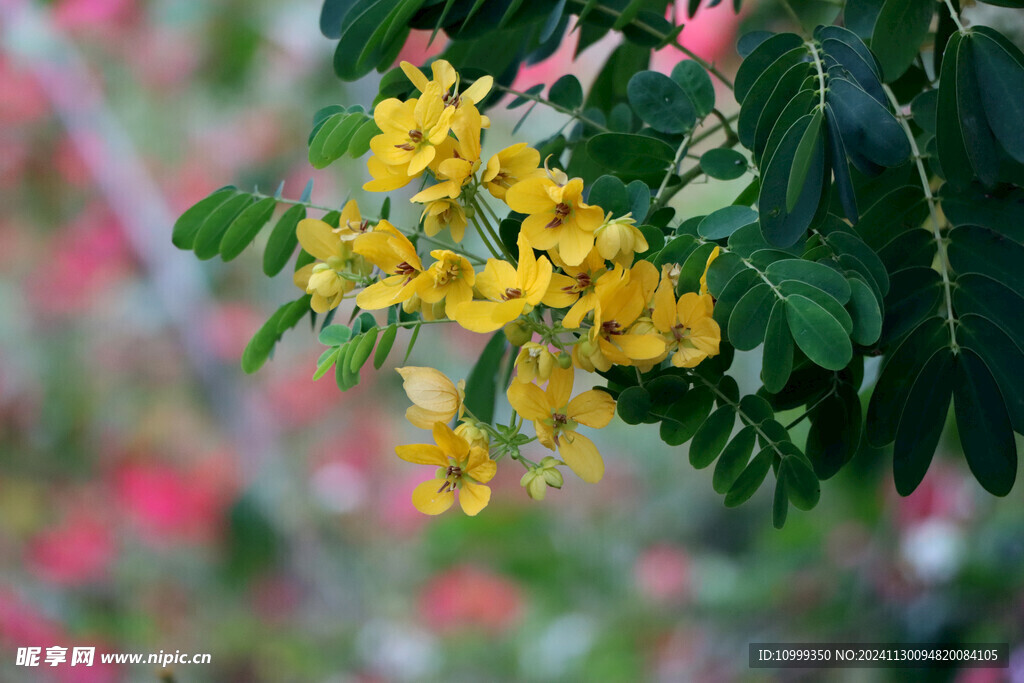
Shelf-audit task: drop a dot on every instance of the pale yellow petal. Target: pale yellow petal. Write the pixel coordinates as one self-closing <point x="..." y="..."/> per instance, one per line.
<point x="480" y="466"/>
<point x="430" y="389"/>
<point x="450" y="442"/>
<point x="559" y="387"/>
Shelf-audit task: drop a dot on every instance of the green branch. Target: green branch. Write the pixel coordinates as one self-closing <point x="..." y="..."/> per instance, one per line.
<point x="574" y="113"/>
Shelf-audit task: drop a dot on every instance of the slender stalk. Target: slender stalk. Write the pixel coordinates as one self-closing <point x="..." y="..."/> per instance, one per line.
<point x="578" y="115"/>
<point x="821" y="72"/>
<point x="481" y="218"/>
<point x="483" y="236"/>
<point x="954" y="16"/>
<point x="940" y="242"/>
<point x="659" y="198"/>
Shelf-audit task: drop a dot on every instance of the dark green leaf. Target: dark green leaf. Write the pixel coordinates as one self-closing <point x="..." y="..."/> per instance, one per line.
<point x="712" y="436"/>
<point x="207" y="242"/>
<point x="187" y="226"/>
<point x="760" y="59"/>
<point x="948" y="135"/>
<point x="780" y="226"/>
<point x="387" y="340"/>
<point x="867" y="316"/>
<point x="802" y="486"/>
<point x="819" y="335"/>
<point x="777" y="356"/>
<point x="921" y="422"/>
<point x="901" y="27"/>
<point x="696" y="83"/>
<point x="685" y="416"/>
<point x="813" y="273"/>
<point x="1000" y="72"/>
<point x="750" y="479"/>
<point x="633" y="405"/>
<point x="244" y="229"/>
<point x="630" y="155"/>
<point x="723" y="164"/>
<point x="283" y="240"/>
<point x="749" y="318"/>
<point x="780" y="504"/>
<point x="660" y="102"/>
<point x="567" y="92"/>
<point x="803" y="159"/>
<point x="482" y="385"/>
<point x="725" y="221"/>
<point x="733" y="460"/>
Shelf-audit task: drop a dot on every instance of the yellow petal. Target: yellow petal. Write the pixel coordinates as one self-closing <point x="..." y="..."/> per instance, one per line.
<point x="414" y="75"/>
<point x="496" y="277"/>
<point x="423" y="418"/>
<point x="302" y="275"/>
<point x="582" y="456"/>
<point x="557" y="296"/>
<point x="435" y="192"/>
<point x="318" y="238"/>
<point x="529" y="401"/>
<point x="473" y="497"/>
<point x="479" y="89"/>
<point x="420" y="158"/>
<point x="430" y="389"/>
<point x="640" y="346"/>
<point x="579" y="310"/>
<point x="559" y="387"/>
<point x="593" y="408"/>
<point x="530" y="197"/>
<point x="687" y="357"/>
<point x="691" y="308"/>
<point x="450" y="442"/>
<point x="488" y="316"/>
<point x="480" y="466"/>
<point x="427" y="499"/>
<point x="664" y="314"/>
<point x="574" y="244"/>
<point x="422" y="454"/>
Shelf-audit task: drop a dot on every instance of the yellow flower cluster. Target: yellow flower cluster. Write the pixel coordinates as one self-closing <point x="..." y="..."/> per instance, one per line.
<point x="574" y="264"/>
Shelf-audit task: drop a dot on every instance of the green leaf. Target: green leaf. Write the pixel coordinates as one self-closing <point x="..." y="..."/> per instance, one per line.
<point x="813" y="273"/>
<point x="482" y="385"/>
<point x="629" y="155"/>
<point x="777" y="356"/>
<point x="187" y="226"/>
<point x="922" y="421"/>
<point x="868" y="128"/>
<point x="980" y="143"/>
<point x="343" y="375"/>
<point x="802" y="486"/>
<point x="723" y="164"/>
<point x="332" y="139"/>
<point x="1000" y="72"/>
<point x="750" y="480"/>
<point x="749" y="318"/>
<point x="660" y="102"/>
<point x="1002" y="355"/>
<point x="835" y="309"/>
<point x="763" y="56"/>
<point x="733" y="460"/>
<point x="924" y="110"/>
<point x="262" y="343"/>
<point x="696" y="83"/>
<point x="633" y="405"/>
<point x="725" y="221"/>
<point x="252" y="545"/>
<point x="835" y="432"/>
<point x="782" y="227"/>
<point x="984" y="426"/>
<point x="326" y="362"/>
<point x="567" y="92"/>
<point x="207" y="242"/>
<point x="819" y="335"/>
<point x="283" y="240"/>
<point x="712" y="436"/>
<point x="387" y="340"/>
<point x="977" y="250"/>
<point x="335" y="335"/>
<point x="639" y="199"/>
<point x="355" y="55"/>
<point x="243" y="230"/>
<point x="363" y="349"/>
<point x="867" y="316"/>
<point x="900" y="29"/>
<point x="802" y="160"/>
<point x="360" y="142"/>
<point x="860" y="16"/>
<point x="949" y="137"/>
<point x="682" y="419"/>
<point x="610" y="194"/>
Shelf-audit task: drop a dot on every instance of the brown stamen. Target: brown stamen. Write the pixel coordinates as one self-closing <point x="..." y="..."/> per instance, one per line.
<point x="407" y="146"/>
<point x="611" y="327"/>
<point x="512" y="293"/>
<point x="415" y="135"/>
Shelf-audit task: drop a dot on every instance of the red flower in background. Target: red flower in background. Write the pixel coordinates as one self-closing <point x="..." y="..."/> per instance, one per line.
<point x="76" y="551"/>
<point x="467" y="597"/>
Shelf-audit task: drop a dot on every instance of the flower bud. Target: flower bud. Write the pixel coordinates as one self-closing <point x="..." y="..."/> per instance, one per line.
<point x="517" y="333"/>
<point x="564" y="361"/>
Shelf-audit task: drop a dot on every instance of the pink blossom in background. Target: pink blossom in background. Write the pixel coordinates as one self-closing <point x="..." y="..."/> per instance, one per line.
<point x="23" y="625"/>
<point x="29" y="106"/>
<point x="945" y="493"/>
<point x="662" y="573"/>
<point x="171" y="503"/>
<point x="77" y="14"/>
<point x="396" y="512"/>
<point x="298" y="401"/>
<point x="417" y="50"/>
<point x="710" y="34"/>
<point x="467" y="597"/>
<point x="76" y="551"/>
<point x="88" y="255"/>
<point x="227" y="329"/>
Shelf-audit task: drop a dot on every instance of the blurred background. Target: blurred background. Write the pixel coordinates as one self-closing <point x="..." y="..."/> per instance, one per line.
<point x="153" y="497"/>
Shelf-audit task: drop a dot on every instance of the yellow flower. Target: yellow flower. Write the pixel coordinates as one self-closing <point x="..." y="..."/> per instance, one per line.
<point x="410" y="130"/>
<point x="617" y="308"/>
<point x="509" y="166"/>
<point x="351" y="224"/>
<point x="686" y="325"/>
<point x="444" y="213"/>
<point x="537" y="479"/>
<point x="455" y="161"/>
<point x="557" y="216"/>
<point x="435" y="398"/>
<point x="534" y="362"/>
<point x="324" y="279"/>
<point x="555" y="419"/>
<point x="576" y="287"/>
<point x="449" y="278"/>
<point x="445" y="77"/>
<point x="619" y="239"/>
<point x="704" y="276"/>
<point x="471" y="432"/>
<point x="512" y="291"/>
<point x="460" y="468"/>
<point x="394" y="254"/>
